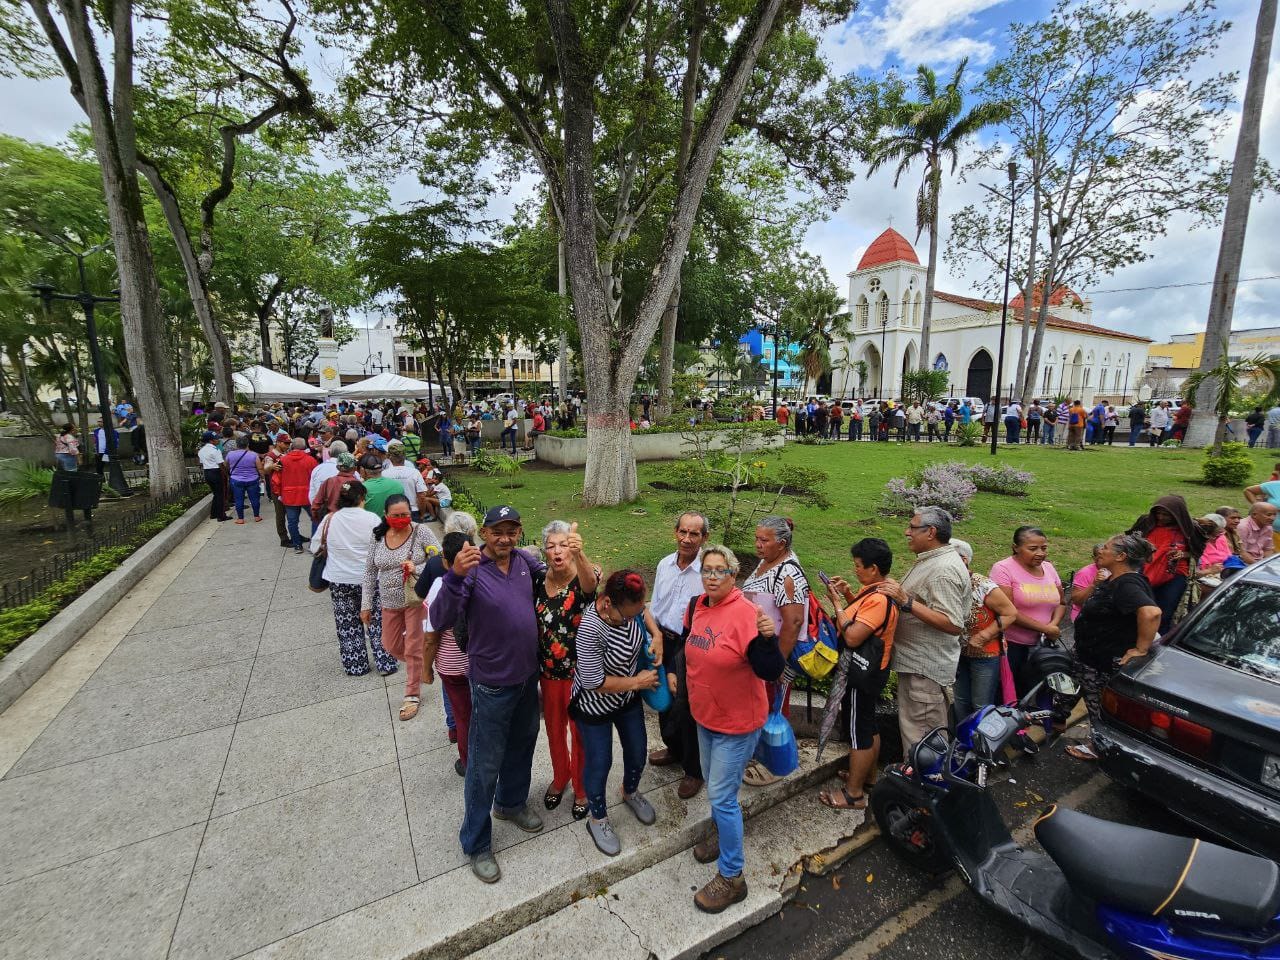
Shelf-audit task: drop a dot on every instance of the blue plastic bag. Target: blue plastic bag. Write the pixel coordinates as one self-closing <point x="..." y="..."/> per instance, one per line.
<point x="659" y="699"/>
<point x="777" y="748"/>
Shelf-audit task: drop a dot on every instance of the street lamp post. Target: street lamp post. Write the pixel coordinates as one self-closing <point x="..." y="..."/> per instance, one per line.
<point x="1004" y="307"/>
<point x="1128" y="359"/>
<point x="884" y="329"/>
<point x="88" y="301"/>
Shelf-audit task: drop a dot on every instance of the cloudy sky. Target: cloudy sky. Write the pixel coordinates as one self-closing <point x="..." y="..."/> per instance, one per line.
<point x="903" y="33"/>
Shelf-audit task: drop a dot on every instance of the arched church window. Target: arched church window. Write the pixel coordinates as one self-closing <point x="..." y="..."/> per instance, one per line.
<point x="863" y="310"/>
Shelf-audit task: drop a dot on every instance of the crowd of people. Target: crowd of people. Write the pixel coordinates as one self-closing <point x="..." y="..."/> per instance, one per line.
<point x="539" y="638"/>
<point x="1068" y="423"/>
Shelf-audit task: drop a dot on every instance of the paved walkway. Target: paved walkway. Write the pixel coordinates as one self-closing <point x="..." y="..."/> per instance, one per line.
<point x="198" y="778"/>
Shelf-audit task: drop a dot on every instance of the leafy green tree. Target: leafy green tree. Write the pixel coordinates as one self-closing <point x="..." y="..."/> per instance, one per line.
<point x="1114" y="112"/>
<point x="584" y="95"/>
<point x="814" y="318"/>
<point x="71" y="36"/>
<point x="931" y="130"/>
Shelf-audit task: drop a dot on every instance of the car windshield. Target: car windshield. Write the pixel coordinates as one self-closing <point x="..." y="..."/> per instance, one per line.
<point x="1242" y="631"/>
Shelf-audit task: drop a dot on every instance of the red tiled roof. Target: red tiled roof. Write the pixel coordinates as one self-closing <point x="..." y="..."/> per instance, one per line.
<point x="1059" y="296"/>
<point x="986" y="306"/>
<point x="889" y="247"/>
<point x="971" y="302"/>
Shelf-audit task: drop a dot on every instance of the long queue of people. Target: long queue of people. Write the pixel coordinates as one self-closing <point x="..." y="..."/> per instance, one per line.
<point x="524" y="639"/>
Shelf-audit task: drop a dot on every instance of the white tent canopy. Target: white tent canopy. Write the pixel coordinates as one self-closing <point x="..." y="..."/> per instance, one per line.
<point x="261" y="384"/>
<point x="391" y="386"/>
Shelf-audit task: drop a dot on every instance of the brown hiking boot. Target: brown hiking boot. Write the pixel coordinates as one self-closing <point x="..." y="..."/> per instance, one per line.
<point x="707" y="850"/>
<point x="689" y="787"/>
<point x="720" y="893"/>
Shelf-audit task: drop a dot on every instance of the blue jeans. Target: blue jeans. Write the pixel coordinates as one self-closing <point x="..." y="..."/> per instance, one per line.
<point x="1012" y="429"/>
<point x="1254" y="434"/>
<point x="1135" y="430"/>
<point x="241" y="487"/>
<point x="855" y="429"/>
<point x="977" y="684"/>
<point x="1046" y="432"/>
<point x="291" y="517"/>
<point x="449" y="723"/>
<point x="500" y="742"/>
<point x="1167" y="596"/>
<point x="509" y="434"/>
<point x="724" y="761"/>
<point x="597" y="756"/>
<point x="446" y="444"/>
<point x="67" y="461"/>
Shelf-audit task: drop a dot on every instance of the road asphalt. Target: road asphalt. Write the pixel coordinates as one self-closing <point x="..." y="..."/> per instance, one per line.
<point x="874" y="906"/>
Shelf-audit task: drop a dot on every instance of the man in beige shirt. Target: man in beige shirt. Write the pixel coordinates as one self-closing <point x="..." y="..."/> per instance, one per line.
<point x="934" y="598"/>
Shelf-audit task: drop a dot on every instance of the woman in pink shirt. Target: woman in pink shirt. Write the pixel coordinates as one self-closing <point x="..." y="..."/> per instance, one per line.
<point x="1216" y="548"/>
<point x="1029" y="580"/>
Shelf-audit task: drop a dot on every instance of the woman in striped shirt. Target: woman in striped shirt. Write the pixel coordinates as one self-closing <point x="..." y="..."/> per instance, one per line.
<point x="605" y="686"/>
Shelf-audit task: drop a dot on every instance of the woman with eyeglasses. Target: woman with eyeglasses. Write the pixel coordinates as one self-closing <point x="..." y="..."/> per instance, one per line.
<point x="731" y="650"/>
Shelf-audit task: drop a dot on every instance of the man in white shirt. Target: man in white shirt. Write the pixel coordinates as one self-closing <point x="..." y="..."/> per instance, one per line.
<point x="327" y="469"/>
<point x="677" y="581"/>
<point x="211" y="462"/>
<point x="415" y="488"/>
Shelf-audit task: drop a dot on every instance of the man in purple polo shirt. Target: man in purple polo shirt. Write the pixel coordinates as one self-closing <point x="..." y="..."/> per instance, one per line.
<point x="494" y="587"/>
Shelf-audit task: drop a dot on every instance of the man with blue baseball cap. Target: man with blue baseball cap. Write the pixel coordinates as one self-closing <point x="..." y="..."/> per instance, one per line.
<point x="494" y="588"/>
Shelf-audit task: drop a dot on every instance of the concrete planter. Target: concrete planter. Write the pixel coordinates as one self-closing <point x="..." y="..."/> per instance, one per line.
<point x="646" y="446"/>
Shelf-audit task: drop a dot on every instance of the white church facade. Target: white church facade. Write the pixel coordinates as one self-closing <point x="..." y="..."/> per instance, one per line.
<point x="886" y="303"/>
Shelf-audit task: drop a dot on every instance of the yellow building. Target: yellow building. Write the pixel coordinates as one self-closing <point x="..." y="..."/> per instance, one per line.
<point x="1183" y="351"/>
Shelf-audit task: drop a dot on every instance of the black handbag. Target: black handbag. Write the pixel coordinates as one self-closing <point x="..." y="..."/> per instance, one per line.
<point x="865" y="672"/>
<point x="316" y="582"/>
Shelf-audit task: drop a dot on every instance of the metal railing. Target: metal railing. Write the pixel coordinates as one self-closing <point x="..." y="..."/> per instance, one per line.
<point x="120" y="532"/>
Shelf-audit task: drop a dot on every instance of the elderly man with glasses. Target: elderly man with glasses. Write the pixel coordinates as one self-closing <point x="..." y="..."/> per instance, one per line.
<point x="934" y="600"/>
<point x="494" y="589"/>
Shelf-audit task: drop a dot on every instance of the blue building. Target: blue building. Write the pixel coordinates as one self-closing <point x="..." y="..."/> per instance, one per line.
<point x="790" y="375"/>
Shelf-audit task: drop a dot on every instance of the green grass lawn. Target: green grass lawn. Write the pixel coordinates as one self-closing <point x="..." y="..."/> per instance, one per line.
<point x="1078" y="499"/>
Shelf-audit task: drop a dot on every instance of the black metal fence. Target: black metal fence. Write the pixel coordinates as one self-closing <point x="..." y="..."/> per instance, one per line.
<point x="120" y="532"/>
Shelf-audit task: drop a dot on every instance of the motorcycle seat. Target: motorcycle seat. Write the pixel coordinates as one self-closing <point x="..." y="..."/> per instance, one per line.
<point x="1158" y="874"/>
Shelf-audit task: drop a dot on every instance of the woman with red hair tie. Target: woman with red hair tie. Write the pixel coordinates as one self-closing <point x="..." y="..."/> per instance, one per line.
<point x="606" y="686"/>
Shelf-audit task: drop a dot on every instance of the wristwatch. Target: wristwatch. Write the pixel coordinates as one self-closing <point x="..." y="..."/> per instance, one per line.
<point x="906" y="607"/>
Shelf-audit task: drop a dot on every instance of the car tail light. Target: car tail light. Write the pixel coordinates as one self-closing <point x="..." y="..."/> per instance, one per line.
<point x="1184" y="735"/>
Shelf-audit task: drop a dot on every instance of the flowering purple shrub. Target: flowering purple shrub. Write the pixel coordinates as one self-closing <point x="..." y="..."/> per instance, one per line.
<point x="1002" y="479"/>
<point x="938" y="485"/>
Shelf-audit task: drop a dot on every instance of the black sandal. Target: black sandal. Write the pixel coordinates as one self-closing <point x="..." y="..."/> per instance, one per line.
<point x="579" y="811"/>
<point x="551" y="799"/>
<point x="827" y="799"/>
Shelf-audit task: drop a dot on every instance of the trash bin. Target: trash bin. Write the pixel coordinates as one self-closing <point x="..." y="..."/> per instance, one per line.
<point x="78" y="490"/>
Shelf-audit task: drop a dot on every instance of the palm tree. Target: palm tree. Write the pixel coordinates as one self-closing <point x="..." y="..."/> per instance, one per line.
<point x="1225" y="383"/>
<point x="815" y="317"/>
<point x="931" y="129"/>
<point x="1236" y="219"/>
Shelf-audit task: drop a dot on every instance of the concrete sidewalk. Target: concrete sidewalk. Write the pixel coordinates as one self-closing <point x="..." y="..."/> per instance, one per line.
<point x="198" y="778"/>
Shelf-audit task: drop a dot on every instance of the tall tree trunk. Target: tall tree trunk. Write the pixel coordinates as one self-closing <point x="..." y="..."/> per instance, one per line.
<point x="1026" y="374"/>
<point x="931" y="274"/>
<point x="1042" y="317"/>
<point x="1234" y="224"/>
<point x="689" y="86"/>
<point x="110" y="114"/>
<point x="197" y="282"/>
<point x="562" y="357"/>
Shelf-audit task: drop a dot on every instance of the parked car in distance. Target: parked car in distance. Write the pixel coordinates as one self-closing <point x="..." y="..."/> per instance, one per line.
<point x="1195" y="726"/>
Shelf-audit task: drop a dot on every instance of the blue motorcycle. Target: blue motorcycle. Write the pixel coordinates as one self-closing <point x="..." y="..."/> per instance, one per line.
<point x="1105" y="891"/>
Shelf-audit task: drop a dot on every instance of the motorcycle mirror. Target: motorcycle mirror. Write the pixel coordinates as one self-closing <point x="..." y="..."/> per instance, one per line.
<point x="1063" y="683"/>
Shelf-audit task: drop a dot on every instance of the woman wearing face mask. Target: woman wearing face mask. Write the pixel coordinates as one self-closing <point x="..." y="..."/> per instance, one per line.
<point x="560" y="598"/>
<point x="400" y="548"/>
<point x="606" y="684"/>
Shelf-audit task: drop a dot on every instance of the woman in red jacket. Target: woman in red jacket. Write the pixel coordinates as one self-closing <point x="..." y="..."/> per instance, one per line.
<point x="730" y="650"/>
<point x="295" y="488"/>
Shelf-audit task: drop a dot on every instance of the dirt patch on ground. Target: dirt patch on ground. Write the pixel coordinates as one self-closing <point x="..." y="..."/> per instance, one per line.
<point x="35" y="533"/>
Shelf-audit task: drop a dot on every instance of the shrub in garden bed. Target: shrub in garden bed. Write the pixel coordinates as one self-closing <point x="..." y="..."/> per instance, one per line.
<point x="1003" y="479"/>
<point x="952" y="485"/>
<point x="1233" y="467"/>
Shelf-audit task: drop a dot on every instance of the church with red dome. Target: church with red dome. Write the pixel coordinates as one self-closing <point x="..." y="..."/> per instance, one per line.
<point x="886" y="305"/>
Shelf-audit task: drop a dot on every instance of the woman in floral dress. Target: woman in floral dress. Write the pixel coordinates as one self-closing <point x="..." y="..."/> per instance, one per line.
<point x="560" y="598"/>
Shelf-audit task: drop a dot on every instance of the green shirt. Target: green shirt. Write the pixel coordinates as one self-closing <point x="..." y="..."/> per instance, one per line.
<point x="377" y="489"/>
<point x="412" y="445"/>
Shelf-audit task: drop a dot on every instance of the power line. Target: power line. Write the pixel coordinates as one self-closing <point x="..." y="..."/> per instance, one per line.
<point x="1170" y="286"/>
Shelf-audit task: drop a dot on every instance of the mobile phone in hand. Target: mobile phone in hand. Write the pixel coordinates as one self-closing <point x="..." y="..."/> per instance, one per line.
<point x="824" y="578"/>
